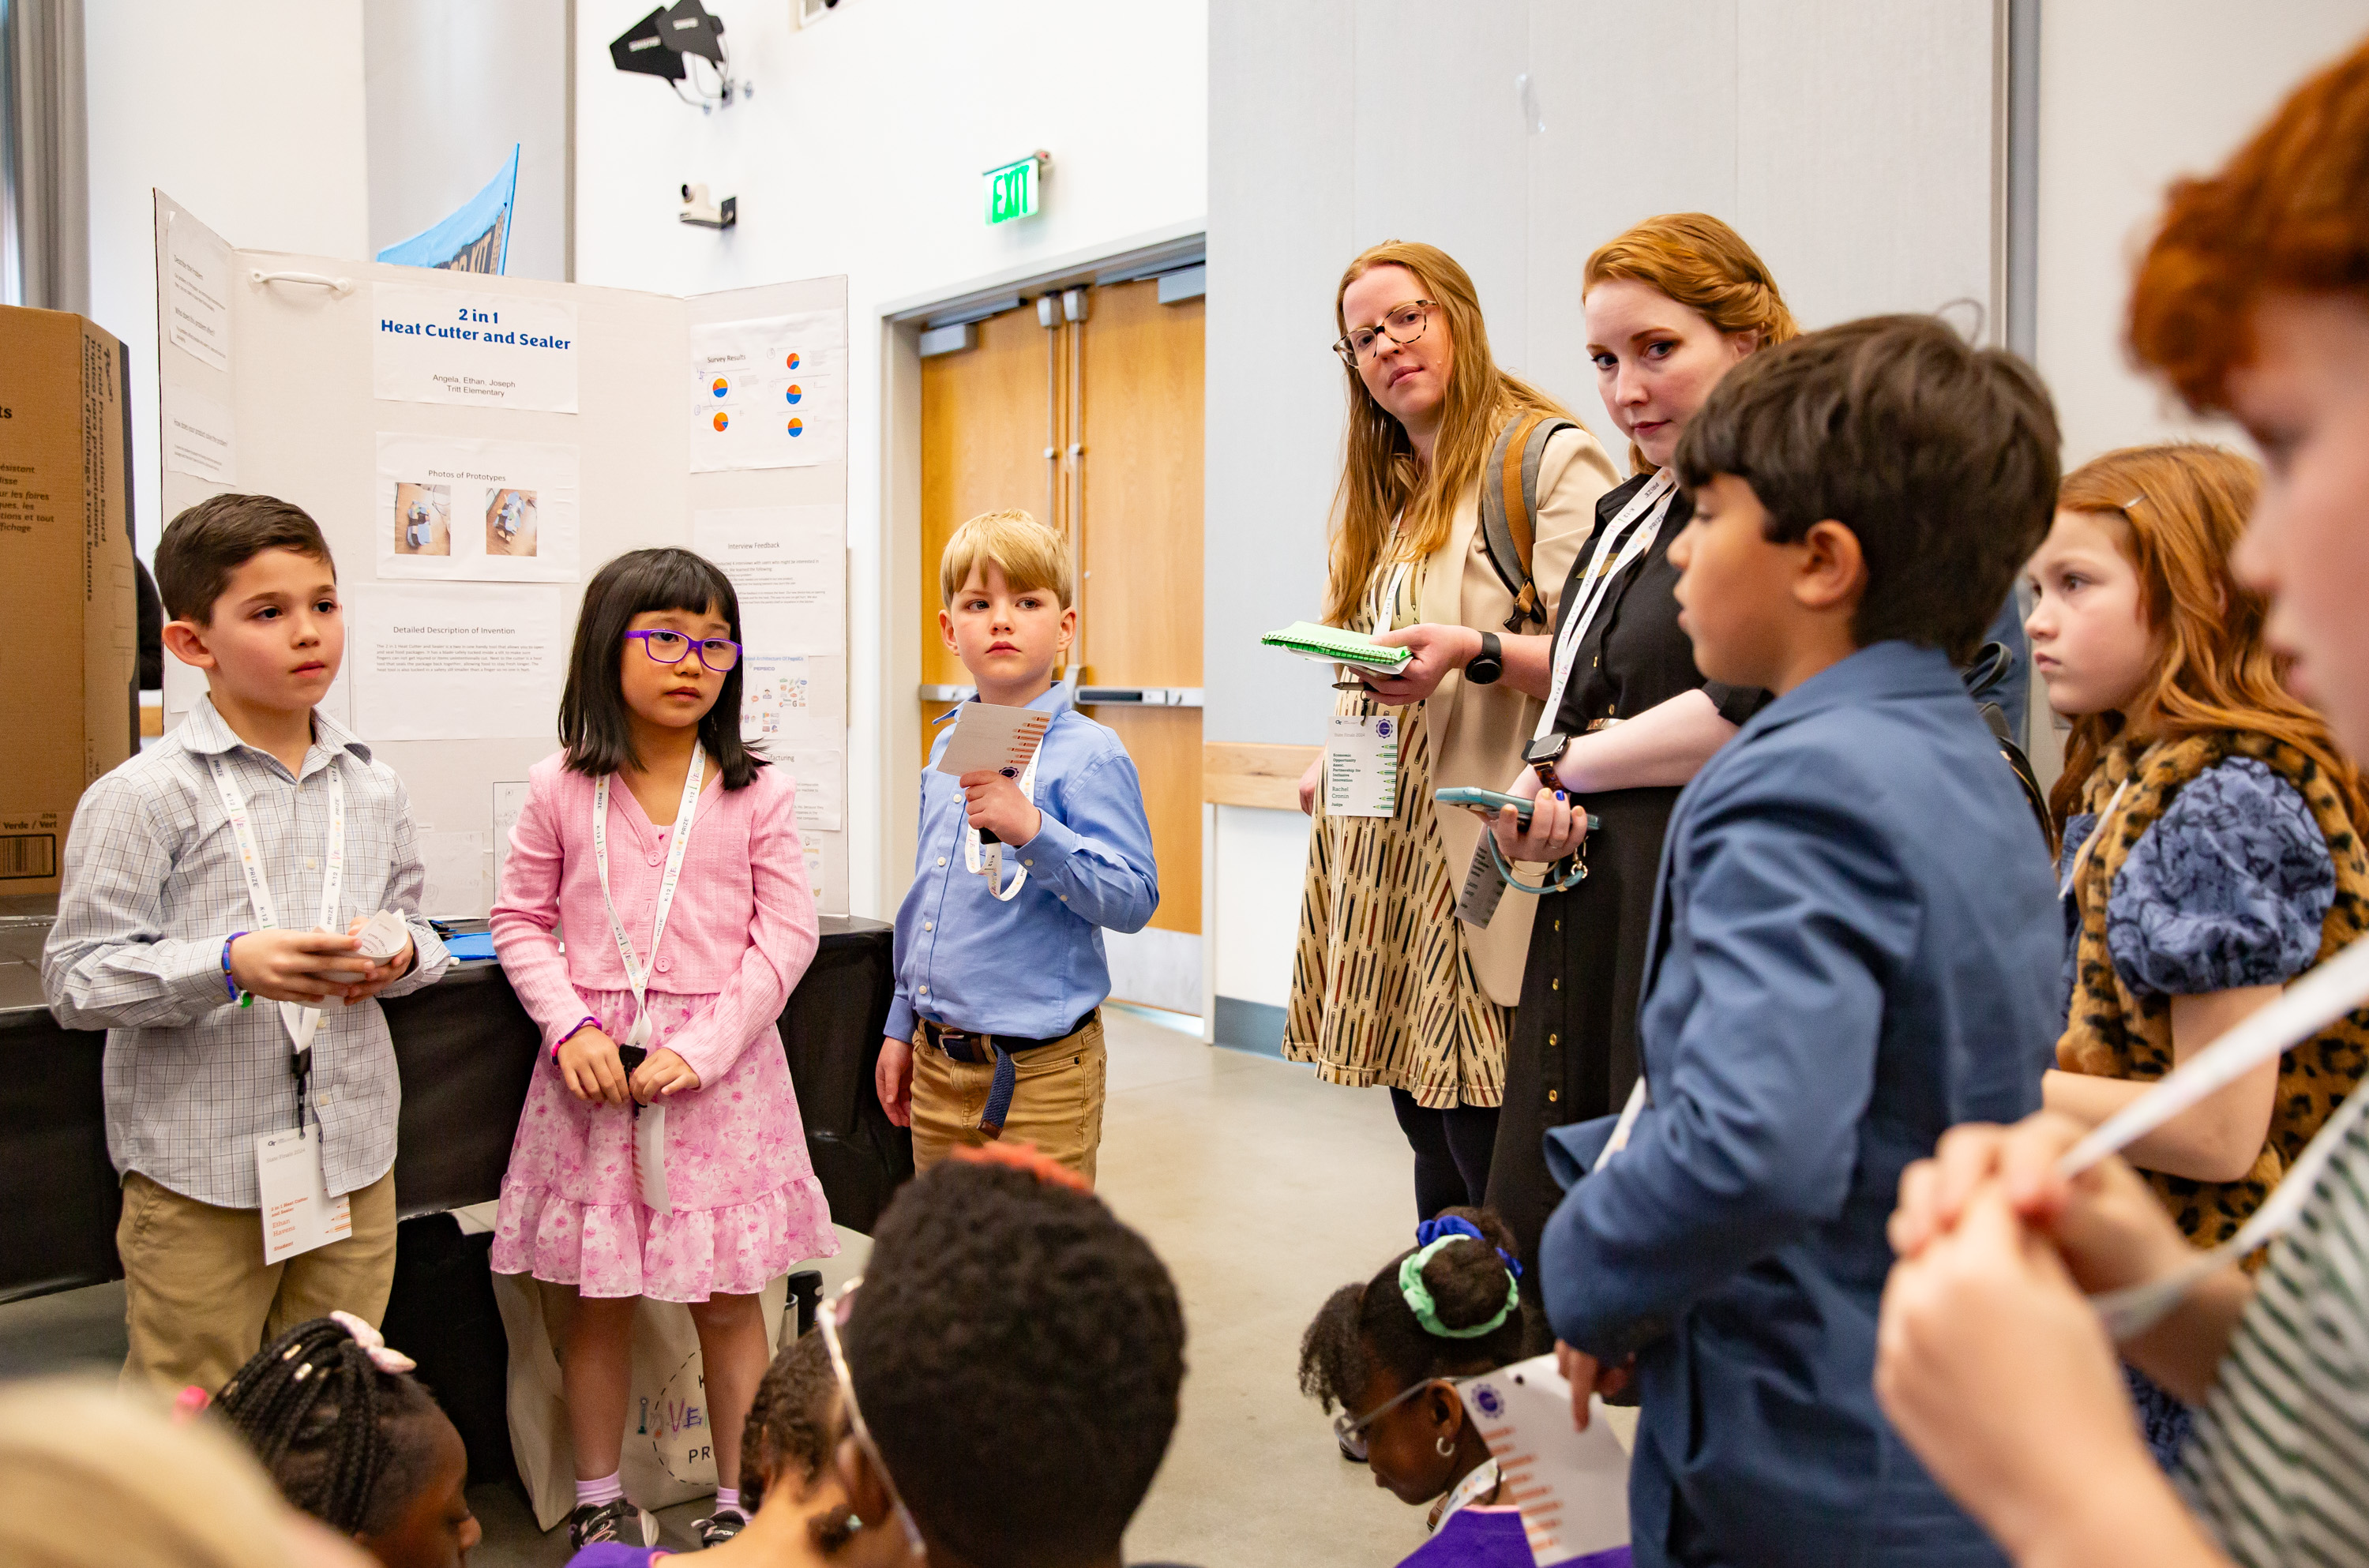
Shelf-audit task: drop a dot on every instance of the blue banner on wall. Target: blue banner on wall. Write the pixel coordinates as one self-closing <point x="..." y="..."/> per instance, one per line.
<point x="474" y="239"/>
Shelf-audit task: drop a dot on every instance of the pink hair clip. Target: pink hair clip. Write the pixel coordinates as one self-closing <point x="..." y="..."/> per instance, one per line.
<point x="374" y="1343"/>
<point x="191" y="1404"/>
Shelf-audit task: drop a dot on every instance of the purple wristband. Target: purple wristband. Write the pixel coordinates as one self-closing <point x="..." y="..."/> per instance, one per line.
<point x="588" y="1023"/>
<point x="228" y="984"/>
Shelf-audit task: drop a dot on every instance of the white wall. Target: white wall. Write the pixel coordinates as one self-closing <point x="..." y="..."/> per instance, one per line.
<point x="860" y="153"/>
<point x="2134" y="93"/>
<point x="248" y="115"/>
<point x="454" y="85"/>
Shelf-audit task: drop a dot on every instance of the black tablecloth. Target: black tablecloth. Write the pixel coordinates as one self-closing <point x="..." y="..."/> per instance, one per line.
<point x="465" y="1049"/>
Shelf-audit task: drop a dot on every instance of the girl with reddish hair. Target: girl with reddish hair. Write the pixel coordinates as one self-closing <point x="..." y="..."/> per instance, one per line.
<point x="2253" y="299"/>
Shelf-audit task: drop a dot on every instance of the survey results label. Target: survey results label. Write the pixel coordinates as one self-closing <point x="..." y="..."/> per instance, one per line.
<point x="768" y="392"/>
<point x="487" y="348"/>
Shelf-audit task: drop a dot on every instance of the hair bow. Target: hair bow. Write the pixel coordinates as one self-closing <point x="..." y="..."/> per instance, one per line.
<point x="373" y="1344"/>
<point x="1451" y="1225"/>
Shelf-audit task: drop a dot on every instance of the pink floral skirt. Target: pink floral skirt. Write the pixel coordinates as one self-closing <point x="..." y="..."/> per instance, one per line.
<point x="747" y="1206"/>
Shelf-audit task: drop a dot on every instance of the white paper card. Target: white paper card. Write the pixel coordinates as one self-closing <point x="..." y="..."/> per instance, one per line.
<point x="649" y="1156"/>
<point x="199" y="437"/>
<point x="1361" y="766"/>
<point x="793" y="696"/>
<point x="483" y="347"/>
<point x="298" y="1213"/>
<point x="455" y="865"/>
<point x="198" y="298"/>
<point x="1572" y="1486"/>
<point x="821" y="803"/>
<point x="497" y="511"/>
<point x="987" y="735"/>
<point x="769" y="392"/>
<point x="510" y="803"/>
<point x="812" y="853"/>
<point x="788" y="569"/>
<point x="459" y="661"/>
<point x="382" y="936"/>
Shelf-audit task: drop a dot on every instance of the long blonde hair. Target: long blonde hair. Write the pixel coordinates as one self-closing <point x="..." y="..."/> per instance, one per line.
<point x="1381" y="479"/>
<point x="2181" y="507"/>
<point x="1703" y="265"/>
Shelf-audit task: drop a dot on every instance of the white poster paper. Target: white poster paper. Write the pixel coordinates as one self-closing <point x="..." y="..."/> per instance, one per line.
<point x="199" y="437"/>
<point x="197" y="301"/>
<point x="484" y="348"/>
<point x="789" y="694"/>
<point x="455" y="863"/>
<point x="447" y="508"/>
<point x="822" y="800"/>
<point x="813" y="855"/>
<point x="459" y="661"/>
<point x="510" y="801"/>
<point x="769" y="392"/>
<point x="789" y="570"/>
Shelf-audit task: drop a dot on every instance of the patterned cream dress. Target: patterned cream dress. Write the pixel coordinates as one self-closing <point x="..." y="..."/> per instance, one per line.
<point x="1382" y="989"/>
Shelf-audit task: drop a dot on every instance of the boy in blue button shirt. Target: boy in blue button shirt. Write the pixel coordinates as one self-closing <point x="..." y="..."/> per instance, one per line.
<point x="996" y="1031"/>
<point x="1854" y="947"/>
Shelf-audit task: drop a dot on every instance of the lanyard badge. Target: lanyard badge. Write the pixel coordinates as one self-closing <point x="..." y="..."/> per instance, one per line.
<point x="1629" y="534"/>
<point x="983" y="852"/>
<point x="301" y="1021"/>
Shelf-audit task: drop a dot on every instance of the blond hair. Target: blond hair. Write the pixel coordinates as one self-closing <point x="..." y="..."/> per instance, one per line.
<point x="1702" y="264"/>
<point x="1380" y="481"/>
<point x="94" y="1477"/>
<point x="1029" y="553"/>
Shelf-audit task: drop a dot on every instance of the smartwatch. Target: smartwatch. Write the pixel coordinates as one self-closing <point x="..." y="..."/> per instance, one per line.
<point x="1543" y="756"/>
<point x="1483" y="667"/>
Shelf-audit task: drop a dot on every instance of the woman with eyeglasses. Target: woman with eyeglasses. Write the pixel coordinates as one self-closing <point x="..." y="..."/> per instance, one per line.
<point x="1388" y="988"/>
<point x="1671" y="305"/>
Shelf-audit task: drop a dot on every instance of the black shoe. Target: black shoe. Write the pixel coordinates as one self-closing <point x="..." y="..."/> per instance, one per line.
<point x="724" y="1524"/>
<point x="618" y="1521"/>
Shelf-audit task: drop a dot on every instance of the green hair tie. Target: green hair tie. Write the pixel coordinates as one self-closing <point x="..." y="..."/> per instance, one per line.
<point x="1426" y="1312"/>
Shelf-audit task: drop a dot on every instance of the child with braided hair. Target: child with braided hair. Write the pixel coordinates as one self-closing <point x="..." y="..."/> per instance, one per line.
<point x="349" y="1437"/>
<point x="1387" y="1354"/>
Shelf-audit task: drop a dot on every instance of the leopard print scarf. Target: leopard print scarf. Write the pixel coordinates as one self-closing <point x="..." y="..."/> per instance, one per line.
<point x="2114" y="1033"/>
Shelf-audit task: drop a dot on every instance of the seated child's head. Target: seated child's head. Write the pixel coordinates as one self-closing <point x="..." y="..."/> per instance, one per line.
<point x="1005" y="587"/>
<point x="1014" y="1353"/>
<point x="657" y="650"/>
<point x="1878" y="480"/>
<point x="2138" y="624"/>
<point x="793" y="1425"/>
<point x="353" y="1440"/>
<point x="252" y="596"/>
<point x="1383" y="1352"/>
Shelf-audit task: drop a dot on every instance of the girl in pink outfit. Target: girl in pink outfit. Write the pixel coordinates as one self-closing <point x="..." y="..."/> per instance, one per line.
<point x="701" y="908"/>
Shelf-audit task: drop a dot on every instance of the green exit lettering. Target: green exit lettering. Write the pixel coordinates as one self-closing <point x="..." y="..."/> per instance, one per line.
<point x="1011" y="191"/>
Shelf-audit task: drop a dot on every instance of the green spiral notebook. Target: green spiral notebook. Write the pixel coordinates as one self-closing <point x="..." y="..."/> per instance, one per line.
<point x="1331" y="645"/>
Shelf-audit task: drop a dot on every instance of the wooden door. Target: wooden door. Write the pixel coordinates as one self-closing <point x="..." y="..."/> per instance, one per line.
<point x="1118" y="395"/>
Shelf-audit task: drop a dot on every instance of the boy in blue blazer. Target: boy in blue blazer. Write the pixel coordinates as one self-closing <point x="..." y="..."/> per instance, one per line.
<point x="1855" y="947"/>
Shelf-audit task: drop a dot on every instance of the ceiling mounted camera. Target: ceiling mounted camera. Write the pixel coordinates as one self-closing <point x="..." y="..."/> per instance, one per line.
<point x="701" y="210"/>
<point x="665" y="43"/>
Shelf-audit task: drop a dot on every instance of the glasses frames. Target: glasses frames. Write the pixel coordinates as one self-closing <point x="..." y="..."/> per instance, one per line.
<point x="1404" y="324"/>
<point x="720" y="654"/>
<point x="827" y="1321"/>
<point x="1351" y="1430"/>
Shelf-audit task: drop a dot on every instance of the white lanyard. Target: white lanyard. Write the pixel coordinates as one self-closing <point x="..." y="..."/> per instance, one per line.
<point x="1632" y="532"/>
<point x="301" y="1021"/>
<point x="990" y="865"/>
<point x="1479" y="1484"/>
<point x="1389" y="610"/>
<point x="635" y="975"/>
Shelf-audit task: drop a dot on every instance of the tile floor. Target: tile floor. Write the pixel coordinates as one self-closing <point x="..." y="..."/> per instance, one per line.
<point x="1262" y="1188"/>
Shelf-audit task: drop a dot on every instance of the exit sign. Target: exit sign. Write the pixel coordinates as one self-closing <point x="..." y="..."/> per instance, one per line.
<point x="1014" y="190"/>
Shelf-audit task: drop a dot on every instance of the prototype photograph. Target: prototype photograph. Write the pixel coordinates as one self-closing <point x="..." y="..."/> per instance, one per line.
<point x="510" y="523"/>
<point x="423" y="520"/>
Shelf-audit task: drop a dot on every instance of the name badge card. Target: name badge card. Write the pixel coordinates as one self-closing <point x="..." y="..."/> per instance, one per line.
<point x="1361" y="766"/>
<point x="298" y="1212"/>
<point x="1572" y="1486"/>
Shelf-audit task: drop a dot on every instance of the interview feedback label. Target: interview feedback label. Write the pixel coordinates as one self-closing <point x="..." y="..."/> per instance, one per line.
<point x="474" y="347"/>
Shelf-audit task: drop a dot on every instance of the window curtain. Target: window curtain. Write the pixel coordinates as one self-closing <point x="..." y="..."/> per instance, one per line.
<point x="44" y="163"/>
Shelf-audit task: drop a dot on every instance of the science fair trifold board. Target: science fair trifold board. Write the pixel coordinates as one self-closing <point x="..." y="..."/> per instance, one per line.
<point x="475" y="448"/>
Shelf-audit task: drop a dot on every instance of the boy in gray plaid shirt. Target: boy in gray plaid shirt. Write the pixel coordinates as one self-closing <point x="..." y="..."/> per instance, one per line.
<point x="160" y="940"/>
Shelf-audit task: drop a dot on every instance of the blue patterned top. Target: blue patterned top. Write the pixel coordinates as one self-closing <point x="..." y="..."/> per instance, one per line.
<point x="2227" y="888"/>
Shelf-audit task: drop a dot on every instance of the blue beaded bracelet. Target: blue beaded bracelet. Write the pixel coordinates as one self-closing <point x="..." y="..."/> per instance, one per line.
<point x="245" y="998"/>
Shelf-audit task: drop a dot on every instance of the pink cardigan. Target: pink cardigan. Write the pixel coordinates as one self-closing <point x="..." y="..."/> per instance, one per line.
<point x="741" y="929"/>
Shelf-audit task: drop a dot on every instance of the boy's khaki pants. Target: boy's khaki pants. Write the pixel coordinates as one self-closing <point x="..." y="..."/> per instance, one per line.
<point x="199" y="1300"/>
<point x="1056" y="1102"/>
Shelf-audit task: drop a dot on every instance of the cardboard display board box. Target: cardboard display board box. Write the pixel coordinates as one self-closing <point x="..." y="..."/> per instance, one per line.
<point x="66" y="593"/>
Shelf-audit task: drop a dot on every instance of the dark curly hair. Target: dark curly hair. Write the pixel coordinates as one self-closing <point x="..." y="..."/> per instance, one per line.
<point x="344" y="1442"/>
<point x="1016" y="1353"/>
<point x="791" y="1421"/>
<point x="1362" y="1329"/>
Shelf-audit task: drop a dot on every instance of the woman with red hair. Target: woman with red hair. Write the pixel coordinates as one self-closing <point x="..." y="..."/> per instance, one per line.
<point x="2253" y="299"/>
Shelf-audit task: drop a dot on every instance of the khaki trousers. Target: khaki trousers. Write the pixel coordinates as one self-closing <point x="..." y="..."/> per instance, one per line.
<point x="199" y="1300"/>
<point x="1057" y="1101"/>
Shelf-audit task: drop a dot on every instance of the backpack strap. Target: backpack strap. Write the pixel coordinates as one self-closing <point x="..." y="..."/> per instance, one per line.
<point x="1509" y="508"/>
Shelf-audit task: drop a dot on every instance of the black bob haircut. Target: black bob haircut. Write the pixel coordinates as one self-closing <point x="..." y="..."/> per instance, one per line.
<point x="1940" y="456"/>
<point x="1363" y="1329"/>
<point x="1016" y="1353"/>
<point x="592" y="720"/>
